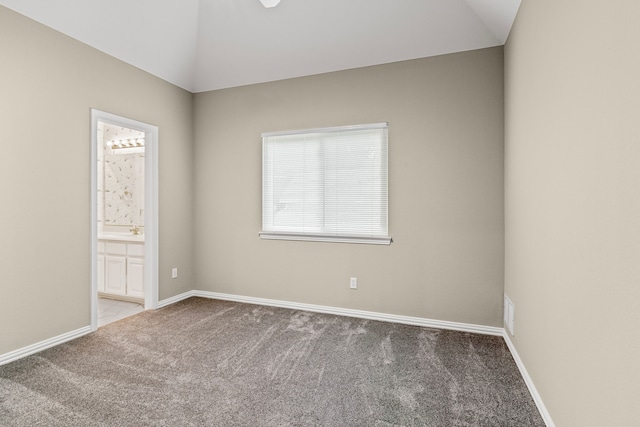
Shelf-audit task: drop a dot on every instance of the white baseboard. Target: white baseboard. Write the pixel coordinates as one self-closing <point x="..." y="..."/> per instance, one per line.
<point x="176" y="298"/>
<point x="527" y="379"/>
<point x="43" y="345"/>
<point x="384" y="317"/>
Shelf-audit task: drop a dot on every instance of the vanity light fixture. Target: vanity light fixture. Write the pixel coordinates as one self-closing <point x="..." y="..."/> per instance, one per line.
<point x="269" y="3"/>
<point x="126" y="145"/>
<point x="117" y="144"/>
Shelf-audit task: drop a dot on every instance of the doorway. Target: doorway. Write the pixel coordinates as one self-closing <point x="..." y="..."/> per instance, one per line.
<point x="124" y="220"/>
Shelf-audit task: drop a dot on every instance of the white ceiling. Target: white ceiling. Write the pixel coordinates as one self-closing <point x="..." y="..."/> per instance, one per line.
<point x="203" y="45"/>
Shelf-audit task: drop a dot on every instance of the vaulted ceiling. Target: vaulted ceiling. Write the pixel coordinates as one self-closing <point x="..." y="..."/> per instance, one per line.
<point x="203" y="45"/>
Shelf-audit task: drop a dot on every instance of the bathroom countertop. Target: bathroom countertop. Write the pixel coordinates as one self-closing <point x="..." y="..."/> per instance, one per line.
<point x="126" y="237"/>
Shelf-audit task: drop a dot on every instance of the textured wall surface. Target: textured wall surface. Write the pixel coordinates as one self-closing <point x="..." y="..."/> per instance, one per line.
<point x="122" y="189"/>
<point x="573" y="205"/>
<point x="445" y="119"/>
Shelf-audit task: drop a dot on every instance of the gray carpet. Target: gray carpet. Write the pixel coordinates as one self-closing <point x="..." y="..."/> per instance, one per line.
<point x="214" y="363"/>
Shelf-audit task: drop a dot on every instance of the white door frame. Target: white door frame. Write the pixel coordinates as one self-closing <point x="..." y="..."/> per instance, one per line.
<point x="150" y="211"/>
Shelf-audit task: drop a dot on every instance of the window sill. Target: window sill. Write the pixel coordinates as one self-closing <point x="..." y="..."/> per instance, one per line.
<point x="326" y="238"/>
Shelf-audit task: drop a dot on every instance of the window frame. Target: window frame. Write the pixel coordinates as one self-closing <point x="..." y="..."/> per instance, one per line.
<point x="336" y="237"/>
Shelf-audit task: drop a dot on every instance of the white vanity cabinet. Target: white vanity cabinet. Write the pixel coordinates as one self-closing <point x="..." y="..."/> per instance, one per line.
<point x="115" y="266"/>
<point x="135" y="270"/>
<point x="121" y="269"/>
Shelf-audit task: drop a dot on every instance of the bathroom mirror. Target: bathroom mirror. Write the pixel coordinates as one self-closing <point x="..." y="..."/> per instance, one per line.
<point x="120" y="176"/>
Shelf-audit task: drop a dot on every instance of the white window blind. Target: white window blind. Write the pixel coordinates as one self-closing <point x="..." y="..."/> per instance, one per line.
<point x="326" y="184"/>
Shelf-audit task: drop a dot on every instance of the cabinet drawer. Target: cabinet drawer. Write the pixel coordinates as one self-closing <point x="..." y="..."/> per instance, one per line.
<point x="135" y="249"/>
<point x="116" y="248"/>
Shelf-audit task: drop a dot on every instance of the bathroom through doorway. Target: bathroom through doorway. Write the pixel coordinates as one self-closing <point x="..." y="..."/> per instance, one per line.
<point x="124" y="218"/>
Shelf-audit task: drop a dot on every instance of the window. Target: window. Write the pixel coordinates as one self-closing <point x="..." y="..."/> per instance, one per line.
<point x="326" y="185"/>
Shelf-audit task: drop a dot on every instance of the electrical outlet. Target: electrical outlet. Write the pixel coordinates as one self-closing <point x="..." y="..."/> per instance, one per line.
<point x="353" y="283"/>
<point x="174" y="272"/>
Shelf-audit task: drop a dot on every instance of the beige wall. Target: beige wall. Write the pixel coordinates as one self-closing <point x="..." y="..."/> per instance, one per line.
<point x="48" y="83"/>
<point x="445" y="119"/>
<point x="573" y="205"/>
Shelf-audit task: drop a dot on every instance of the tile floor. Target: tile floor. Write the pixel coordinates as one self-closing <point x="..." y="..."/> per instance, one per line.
<point x="110" y="310"/>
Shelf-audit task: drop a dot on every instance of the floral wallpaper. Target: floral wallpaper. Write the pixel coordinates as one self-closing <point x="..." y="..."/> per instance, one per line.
<point x="121" y="180"/>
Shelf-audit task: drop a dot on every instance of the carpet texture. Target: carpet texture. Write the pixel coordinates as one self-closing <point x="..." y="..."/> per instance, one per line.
<point x="214" y="363"/>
